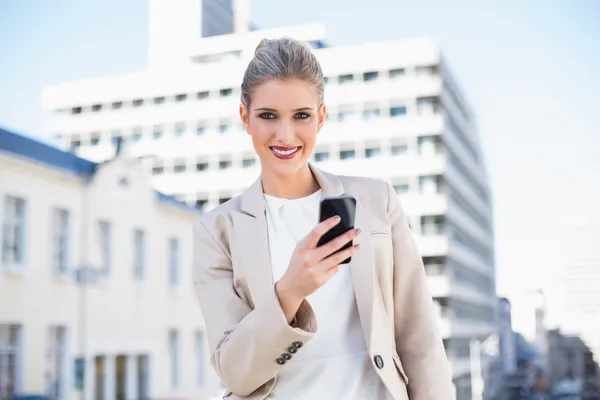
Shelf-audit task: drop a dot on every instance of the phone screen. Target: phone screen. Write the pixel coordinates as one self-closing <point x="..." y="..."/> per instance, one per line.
<point x="345" y="207"/>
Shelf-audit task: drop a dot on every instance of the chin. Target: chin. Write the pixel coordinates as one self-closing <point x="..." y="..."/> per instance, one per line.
<point x="287" y="168"/>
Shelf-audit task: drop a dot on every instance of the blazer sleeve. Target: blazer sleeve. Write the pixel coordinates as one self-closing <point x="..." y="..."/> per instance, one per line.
<point x="418" y="339"/>
<point x="244" y="343"/>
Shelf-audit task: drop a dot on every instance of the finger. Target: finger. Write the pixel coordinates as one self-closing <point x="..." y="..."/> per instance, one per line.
<point x="337" y="258"/>
<point x="336" y="244"/>
<point x="311" y="240"/>
<point x="331" y="272"/>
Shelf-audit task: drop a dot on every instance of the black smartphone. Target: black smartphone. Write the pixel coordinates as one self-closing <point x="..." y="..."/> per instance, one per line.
<point x="345" y="208"/>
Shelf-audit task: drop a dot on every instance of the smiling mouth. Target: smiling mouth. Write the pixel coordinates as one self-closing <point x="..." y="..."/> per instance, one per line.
<point x="285" y="153"/>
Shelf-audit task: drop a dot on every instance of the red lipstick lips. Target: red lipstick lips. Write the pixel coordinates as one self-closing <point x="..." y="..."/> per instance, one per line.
<point x="285" y="152"/>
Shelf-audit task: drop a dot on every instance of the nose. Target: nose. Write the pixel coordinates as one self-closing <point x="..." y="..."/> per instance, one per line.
<point x="285" y="133"/>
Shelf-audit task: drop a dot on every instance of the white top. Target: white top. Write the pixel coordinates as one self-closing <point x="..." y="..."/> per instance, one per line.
<point x="334" y="364"/>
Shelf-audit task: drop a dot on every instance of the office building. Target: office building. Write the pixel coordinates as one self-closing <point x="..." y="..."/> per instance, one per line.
<point x="95" y="285"/>
<point x="580" y="278"/>
<point x="394" y="112"/>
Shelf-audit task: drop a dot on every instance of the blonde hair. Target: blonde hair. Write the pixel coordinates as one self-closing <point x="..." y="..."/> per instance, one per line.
<point x="283" y="58"/>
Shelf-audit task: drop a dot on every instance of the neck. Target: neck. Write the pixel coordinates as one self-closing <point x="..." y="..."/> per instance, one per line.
<point x="301" y="184"/>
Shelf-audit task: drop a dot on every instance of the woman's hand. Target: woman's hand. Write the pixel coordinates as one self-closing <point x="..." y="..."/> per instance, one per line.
<point x="312" y="266"/>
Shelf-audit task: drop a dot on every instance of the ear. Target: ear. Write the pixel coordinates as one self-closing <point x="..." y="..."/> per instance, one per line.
<point x="321" y="116"/>
<point x="244" y="116"/>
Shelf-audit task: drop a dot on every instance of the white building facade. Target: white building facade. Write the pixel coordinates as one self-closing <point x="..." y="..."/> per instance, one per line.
<point x="95" y="286"/>
<point x="580" y="277"/>
<point x="394" y="112"/>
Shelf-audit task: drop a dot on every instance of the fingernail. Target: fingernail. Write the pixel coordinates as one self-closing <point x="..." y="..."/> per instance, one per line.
<point x="337" y="218"/>
<point x="357" y="231"/>
<point x="357" y="246"/>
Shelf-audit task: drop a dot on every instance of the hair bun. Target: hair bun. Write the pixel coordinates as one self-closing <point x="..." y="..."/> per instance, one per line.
<point x="260" y="44"/>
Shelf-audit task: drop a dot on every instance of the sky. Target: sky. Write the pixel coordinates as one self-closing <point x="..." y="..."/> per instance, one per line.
<point x="528" y="69"/>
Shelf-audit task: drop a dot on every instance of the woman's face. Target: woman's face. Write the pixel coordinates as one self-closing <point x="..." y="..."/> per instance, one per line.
<point x="283" y="118"/>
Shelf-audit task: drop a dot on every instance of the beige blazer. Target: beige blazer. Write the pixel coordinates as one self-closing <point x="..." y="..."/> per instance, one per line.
<point x="247" y="330"/>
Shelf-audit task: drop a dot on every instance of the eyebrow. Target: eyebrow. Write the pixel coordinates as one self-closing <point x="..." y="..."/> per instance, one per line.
<point x="273" y="110"/>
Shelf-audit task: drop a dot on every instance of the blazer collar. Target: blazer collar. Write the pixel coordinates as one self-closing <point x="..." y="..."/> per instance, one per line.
<point x="252" y="200"/>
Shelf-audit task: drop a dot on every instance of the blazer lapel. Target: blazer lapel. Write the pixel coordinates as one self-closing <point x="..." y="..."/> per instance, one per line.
<point x="252" y="242"/>
<point x="361" y="266"/>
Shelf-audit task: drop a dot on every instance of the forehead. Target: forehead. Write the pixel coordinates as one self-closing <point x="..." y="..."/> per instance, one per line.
<point x="284" y="94"/>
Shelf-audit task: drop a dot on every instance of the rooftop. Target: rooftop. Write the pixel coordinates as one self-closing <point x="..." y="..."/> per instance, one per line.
<point x="29" y="148"/>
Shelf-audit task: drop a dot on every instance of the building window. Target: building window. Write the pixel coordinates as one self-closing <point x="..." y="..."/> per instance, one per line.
<point x="13" y="232"/>
<point x="159" y="100"/>
<point x="179" y="129"/>
<point x="174" y="261"/>
<point x="371" y="113"/>
<point x="434" y="266"/>
<point x="139" y="254"/>
<point x="224" y="128"/>
<point x="345" y="78"/>
<point x="347" y="154"/>
<point x="136" y="134"/>
<point x="76" y="110"/>
<point x="157" y="170"/>
<point x="397" y="150"/>
<point x="10" y="358"/>
<point x="94" y="139"/>
<point x="174" y="357"/>
<point x="426" y="70"/>
<point x="432" y="225"/>
<point x="345" y="115"/>
<point x="225" y="92"/>
<point x="157" y="132"/>
<point x="321" y="156"/>
<point x="202" y="95"/>
<point x="200" y="129"/>
<point x="224" y="200"/>
<point x="200" y="205"/>
<point x="75" y="144"/>
<point x="396" y="72"/>
<point x="201" y="166"/>
<point x="200" y="358"/>
<point x="430" y="145"/>
<point x="180" y="97"/>
<point x="96" y="107"/>
<point x="428" y="105"/>
<point x="397" y="111"/>
<point x="60" y="240"/>
<point x="138" y="103"/>
<point x="248" y="162"/>
<point x="372" y="152"/>
<point x="225" y="164"/>
<point x="401" y="188"/>
<point x="105" y="245"/>
<point x="370" y="76"/>
<point x="117" y="105"/>
<point x="431" y="184"/>
<point x="179" y="167"/>
<point x="56" y="362"/>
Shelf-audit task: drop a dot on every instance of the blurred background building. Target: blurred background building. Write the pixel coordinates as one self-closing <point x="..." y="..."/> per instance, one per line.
<point x="581" y="278"/>
<point x="96" y="287"/>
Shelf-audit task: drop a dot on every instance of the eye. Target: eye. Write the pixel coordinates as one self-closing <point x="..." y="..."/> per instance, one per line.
<point x="301" y="115"/>
<point x="267" y="115"/>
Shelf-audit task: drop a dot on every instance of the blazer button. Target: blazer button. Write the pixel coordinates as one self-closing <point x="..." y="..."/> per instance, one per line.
<point x="280" y="361"/>
<point x="292" y="349"/>
<point x="378" y="361"/>
<point x="286" y="356"/>
<point x="297" y="344"/>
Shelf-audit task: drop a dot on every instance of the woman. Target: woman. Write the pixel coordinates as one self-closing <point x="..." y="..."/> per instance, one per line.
<point x="284" y="319"/>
